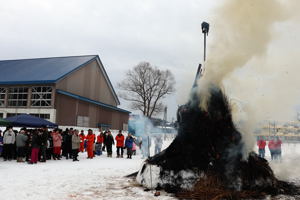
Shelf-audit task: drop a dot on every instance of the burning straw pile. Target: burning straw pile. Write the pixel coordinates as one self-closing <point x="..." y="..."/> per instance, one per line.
<point x="205" y="161"/>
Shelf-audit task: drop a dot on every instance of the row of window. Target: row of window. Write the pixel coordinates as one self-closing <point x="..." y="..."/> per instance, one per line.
<point x="18" y="97"/>
<point x="44" y="116"/>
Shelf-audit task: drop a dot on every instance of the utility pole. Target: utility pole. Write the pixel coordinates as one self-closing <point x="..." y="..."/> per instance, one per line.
<point x="205" y="29"/>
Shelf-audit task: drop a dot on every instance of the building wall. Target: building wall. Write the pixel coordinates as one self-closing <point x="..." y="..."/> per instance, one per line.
<point x="88" y="82"/>
<point x="68" y="110"/>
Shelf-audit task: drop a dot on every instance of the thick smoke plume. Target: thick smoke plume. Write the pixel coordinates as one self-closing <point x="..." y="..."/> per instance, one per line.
<point x="253" y="57"/>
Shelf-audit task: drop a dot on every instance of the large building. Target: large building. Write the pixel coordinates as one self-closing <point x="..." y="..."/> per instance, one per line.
<point x="69" y="91"/>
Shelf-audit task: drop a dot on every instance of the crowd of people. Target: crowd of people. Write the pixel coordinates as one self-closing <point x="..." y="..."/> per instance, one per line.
<point x="33" y="145"/>
<point x="274" y="145"/>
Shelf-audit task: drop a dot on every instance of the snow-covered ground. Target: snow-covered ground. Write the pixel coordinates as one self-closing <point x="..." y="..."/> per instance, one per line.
<point x="101" y="178"/>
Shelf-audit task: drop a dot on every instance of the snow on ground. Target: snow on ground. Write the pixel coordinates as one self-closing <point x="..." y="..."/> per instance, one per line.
<point x="102" y="177"/>
<point x="99" y="178"/>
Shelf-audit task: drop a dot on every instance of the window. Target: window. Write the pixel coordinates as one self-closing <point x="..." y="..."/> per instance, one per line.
<point x="2" y="96"/>
<point x="13" y="114"/>
<point x="1" y="115"/>
<point x="41" y="96"/>
<point x="83" y="121"/>
<point x="17" y="96"/>
<point x="43" y="116"/>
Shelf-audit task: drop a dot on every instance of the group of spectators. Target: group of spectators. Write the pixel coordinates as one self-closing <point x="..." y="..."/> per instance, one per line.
<point x="274" y="145"/>
<point x="41" y="145"/>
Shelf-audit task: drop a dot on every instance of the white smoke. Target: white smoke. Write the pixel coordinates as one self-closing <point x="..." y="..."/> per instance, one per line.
<point x="253" y="56"/>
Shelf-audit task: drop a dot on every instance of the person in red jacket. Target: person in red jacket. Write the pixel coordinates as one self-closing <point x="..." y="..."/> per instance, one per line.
<point x="99" y="142"/>
<point x="271" y="146"/>
<point x="261" y="143"/>
<point x="82" y="138"/>
<point x="120" y="144"/>
<point x="90" y="138"/>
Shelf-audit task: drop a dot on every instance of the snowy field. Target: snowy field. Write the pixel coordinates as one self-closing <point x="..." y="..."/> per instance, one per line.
<point x="101" y="178"/>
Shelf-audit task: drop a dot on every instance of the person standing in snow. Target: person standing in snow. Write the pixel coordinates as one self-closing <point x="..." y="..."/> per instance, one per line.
<point x="99" y="144"/>
<point x="271" y="146"/>
<point x="49" y="151"/>
<point x="129" y="144"/>
<point x="120" y="144"/>
<point x="261" y="143"/>
<point x="68" y="143"/>
<point x="108" y="143"/>
<point x="90" y="138"/>
<point x="277" y="148"/>
<point x="158" y="143"/>
<point x="44" y="144"/>
<point x="75" y="145"/>
<point x="134" y="147"/>
<point x="57" y="141"/>
<point x="35" y="146"/>
<point x="9" y="139"/>
<point x="21" y="140"/>
<point x="104" y="140"/>
<point x="82" y="138"/>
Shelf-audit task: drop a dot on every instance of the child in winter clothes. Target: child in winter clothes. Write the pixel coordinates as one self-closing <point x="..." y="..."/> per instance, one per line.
<point x="128" y="145"/>
<point x="98" y="146"/>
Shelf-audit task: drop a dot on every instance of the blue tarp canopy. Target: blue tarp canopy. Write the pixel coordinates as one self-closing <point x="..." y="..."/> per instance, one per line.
<point x="26" y="120"/>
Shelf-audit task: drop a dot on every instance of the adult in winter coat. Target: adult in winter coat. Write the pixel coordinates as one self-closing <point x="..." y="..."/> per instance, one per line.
<point x="44" y="143"/>
<point x="21" y="140"/>
<point x="99" y="142"/>
<point x="49" y="151"/>
<point x="9" y="139"/>
<point x="120" y="144"/>
<point x="108" y="143"/>
<point x="129" y="144"/>
<point x="271" y="146"/>
<point x="75" y="145"/>
<point x="57" y="141"/>
<point x="90" y="138"/>
<point x="261" y="144"/>
<point x="35" y="146"/>
<point x="82" y="138"/>
<point x="68" y="144"/>
<point x="104" y="140"/>
<point x="277" y="148"/>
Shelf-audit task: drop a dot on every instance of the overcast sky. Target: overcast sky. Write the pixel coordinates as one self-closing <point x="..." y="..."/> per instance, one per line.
<point x="122" y="32"/>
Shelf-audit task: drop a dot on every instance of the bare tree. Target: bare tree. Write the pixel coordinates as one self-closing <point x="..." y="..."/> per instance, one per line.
<point x="145" y="86"/>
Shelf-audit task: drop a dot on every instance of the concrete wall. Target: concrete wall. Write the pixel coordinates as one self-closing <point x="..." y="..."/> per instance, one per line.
<point x="88" y="82"/>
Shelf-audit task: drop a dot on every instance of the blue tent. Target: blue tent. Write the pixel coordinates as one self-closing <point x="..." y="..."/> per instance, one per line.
<point x="26" y="120"/>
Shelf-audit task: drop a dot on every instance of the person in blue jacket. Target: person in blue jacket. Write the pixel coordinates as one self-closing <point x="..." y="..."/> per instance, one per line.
<point x="129" y="144"/>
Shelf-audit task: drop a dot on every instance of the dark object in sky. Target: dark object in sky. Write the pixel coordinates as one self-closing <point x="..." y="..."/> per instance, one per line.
<point x="205" y="27"/>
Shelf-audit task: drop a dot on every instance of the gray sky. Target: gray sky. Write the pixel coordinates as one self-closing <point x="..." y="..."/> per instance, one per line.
<point x="122" y="32"/>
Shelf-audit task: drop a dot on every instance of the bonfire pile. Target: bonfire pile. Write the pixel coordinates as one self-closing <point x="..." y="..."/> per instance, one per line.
<point x="206" y="161"/>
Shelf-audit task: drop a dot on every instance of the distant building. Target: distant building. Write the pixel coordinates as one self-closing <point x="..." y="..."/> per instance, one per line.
<point x="70" y="91"/>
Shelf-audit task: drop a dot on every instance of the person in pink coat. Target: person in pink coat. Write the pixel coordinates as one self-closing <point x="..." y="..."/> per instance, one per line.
<point x="57" y="141"/>
<point x="133" y="148"/>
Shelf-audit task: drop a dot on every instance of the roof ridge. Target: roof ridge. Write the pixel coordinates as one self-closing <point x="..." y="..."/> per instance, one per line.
<point x="48" y="58"/>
